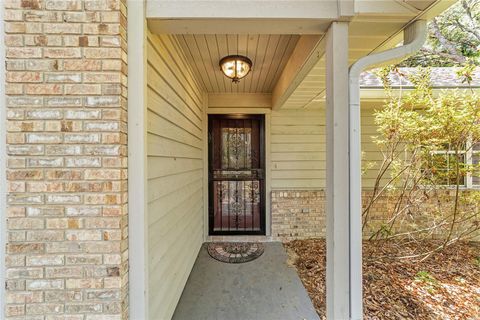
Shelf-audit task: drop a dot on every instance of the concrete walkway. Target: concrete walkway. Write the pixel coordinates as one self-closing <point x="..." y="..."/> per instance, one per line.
<point x="263" y="289"/>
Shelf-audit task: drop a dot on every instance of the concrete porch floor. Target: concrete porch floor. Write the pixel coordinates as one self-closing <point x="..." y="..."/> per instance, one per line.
<point x="263" y="289"/>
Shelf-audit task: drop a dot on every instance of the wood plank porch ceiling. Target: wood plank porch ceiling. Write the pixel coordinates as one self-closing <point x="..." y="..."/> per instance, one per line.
<point x="268" y="52"/>
<point x="368" y="32"/>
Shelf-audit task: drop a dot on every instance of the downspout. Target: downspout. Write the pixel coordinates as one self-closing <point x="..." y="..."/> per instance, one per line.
<point x="414" y="37"/>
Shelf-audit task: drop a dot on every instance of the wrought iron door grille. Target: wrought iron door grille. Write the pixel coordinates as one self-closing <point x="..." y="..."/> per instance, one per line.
<point x="236" y="174"/>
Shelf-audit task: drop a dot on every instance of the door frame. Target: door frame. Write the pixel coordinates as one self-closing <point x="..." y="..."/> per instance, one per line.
<point x="229" y="110"/>
<point x="263" y="194"/>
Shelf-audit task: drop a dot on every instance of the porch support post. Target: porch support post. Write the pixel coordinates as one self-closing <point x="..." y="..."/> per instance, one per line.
<point x="3" y="163"/>
<point x="137" y="161"/>
<point x="337" y="173"/>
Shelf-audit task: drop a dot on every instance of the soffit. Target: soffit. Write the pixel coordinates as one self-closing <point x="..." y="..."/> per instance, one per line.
<point x="375" y="28"/>
<point x="269" y="54"/>
<point x="367" y="34"/>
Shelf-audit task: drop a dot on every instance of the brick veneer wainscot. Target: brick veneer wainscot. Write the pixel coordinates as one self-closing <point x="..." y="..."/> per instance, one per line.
<point x="300" y="214"/>
<point x="66" y="143"/>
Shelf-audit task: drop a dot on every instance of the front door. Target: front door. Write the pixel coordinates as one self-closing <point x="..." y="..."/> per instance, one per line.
<point x="236" y="174"/>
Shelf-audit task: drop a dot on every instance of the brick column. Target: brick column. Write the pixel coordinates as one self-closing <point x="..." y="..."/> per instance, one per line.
<point x="66" y="144"/>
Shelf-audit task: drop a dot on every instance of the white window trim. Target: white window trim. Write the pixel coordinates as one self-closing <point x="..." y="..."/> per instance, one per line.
<point x="449" y="152"/>
<point x="469" y="161"/>
<point x="469" y="152"/>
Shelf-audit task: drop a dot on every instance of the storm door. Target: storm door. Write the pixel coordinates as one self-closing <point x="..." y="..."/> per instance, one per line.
<point x="236" y="174"/>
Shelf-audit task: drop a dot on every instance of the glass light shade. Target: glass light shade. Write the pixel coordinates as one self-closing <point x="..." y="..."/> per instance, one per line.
<point x="235" y="67"/>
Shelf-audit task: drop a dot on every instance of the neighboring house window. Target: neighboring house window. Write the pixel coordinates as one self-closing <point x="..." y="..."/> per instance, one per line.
<point x="443" y="162"/>
<point x="475" y="160"/>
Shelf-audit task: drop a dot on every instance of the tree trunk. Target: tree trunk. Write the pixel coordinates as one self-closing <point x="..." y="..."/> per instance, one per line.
<point x="447" y="44"/>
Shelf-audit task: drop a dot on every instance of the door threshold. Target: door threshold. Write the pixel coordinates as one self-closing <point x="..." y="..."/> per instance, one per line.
<point x="240" y="239"/>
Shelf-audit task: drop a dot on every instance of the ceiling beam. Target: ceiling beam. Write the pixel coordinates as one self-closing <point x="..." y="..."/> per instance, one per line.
<point x="247" y="9"/>
<point x="239" y="100"/>
<point x="238" y="26"/>
<point x="307" y="53"/>
<point x="385" y="7"/>
<point x="346" y="9"/>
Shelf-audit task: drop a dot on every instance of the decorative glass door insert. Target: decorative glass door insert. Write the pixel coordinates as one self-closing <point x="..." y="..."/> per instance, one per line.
<point x="236" y="174"/>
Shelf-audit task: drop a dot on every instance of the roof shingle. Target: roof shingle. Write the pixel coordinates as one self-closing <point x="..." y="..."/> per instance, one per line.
<point x="440" y="78"/>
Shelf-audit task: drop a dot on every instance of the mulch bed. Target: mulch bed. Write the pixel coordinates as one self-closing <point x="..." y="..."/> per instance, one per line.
<point x="444" y="286"/>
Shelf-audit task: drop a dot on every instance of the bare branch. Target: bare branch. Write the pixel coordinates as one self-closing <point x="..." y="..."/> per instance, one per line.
<point x="446" y="44"/>
<point x="456" y="58"/>
<point x="475" y="31"/>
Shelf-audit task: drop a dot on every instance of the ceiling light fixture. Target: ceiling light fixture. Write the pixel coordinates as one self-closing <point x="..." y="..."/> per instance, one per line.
<point x="235" y="67"/>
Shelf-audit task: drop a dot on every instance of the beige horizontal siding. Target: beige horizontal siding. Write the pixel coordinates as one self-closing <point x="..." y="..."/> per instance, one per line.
<point x="174" y="171"/>
<point x="371" y="155"/>
<point x="298" y="149"/>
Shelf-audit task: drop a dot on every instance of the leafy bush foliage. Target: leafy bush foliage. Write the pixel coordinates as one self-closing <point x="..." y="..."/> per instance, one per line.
<point x="414" y="128"/>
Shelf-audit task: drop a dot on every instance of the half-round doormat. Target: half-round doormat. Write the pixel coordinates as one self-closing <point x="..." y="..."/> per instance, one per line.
<point x="235" y="252"/>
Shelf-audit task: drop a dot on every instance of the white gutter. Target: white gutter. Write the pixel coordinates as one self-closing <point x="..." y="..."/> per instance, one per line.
<point x="414" y="37"/>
